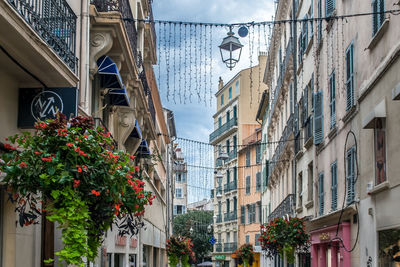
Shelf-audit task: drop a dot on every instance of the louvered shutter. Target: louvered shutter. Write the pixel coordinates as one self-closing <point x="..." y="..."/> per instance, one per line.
<point x="381" y="9"/>
<point x="334" y="185"/>
<point x="267" y="173"/>
<point x="175" y="209"/>
<point x="350" y="175"/>
<point x="305" y="106"/>
<point x="350" y="77"/>
<point x="332" y="104"/>
<point x="318" y="118"/>
<point x="242" y="214"/>
<point x="296" y="119"/>
<point x="329" y="7"/>
<point x="374" y="17"/>
<point x="321" y="194"/>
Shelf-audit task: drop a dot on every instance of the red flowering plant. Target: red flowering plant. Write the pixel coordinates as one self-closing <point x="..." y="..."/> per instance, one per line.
<point x="245" y="254"/>
<point x="284" y="236"/>
<point x="180" y="249"/>
<point x="69" y="171"/>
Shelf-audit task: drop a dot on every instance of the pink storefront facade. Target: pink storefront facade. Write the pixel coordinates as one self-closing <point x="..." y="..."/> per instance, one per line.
<point x="326" y="248"/>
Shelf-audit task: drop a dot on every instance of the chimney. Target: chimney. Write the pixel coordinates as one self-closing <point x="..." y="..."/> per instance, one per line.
<point x="220" y="83"/>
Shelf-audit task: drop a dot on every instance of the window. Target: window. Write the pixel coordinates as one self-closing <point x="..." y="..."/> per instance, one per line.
<point x="258" y="181"/>
<point x="219" y="122"/>
<point x="248" y="185"/>
<point x="228" y="116"/>
<point x="222" y="99"/>
<point x="321" y="193"/>
<point x="304" y="259"/>
<point x="230" y="92"/>
<point x="303" y="39"/>
<point x="247" y="239"/>
<point x="349" y="77"/>
<point x="378" y="18"/>
<point x="329" y="7"/>
<point x="389" y="247"/>
<point x="228" y="206"/>
<point x="237" y="87"/>
<point x="380" y="151"/>
<point x="248" y="207"/>
<point x="248" y="158"/>
<point x="258" y="154"/>
<point x="228" y="176"/>
<point x="256" y="241"/>
<point x="259" y="208"/>
<point x="234" y="143"/>
<point x="180" y="177"/>
<point x="332" y="99"/>
<point x="350" y="174"/>
<point x="228" y="145"/>
<point x="242" y="214"/>
<point x="334" y="185"/>
<point x="318" y="118"/>
<point x="179" y="209"/>
<point x="253" y="213"/>
<point x="178" y="193"/>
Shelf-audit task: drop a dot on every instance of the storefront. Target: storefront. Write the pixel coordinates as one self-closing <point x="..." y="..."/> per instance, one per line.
<point x="326" y="247"/>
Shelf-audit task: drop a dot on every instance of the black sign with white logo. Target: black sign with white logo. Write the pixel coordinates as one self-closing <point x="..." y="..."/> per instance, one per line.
<point x="41" y="104"/>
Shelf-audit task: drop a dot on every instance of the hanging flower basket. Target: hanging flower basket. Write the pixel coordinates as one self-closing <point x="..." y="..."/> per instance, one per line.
<point x="284" y="237"/>
<point x="245" y="255"/>
<point x="69" y="170"/>
<point x="179" y="249"/>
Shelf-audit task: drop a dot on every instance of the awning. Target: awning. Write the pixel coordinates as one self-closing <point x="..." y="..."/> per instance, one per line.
<point x="119" y="97"/>
<point x="143" y="149"/>
<point x="136" y="133"/>
<point x="110" y="78"/>
<point x="108" y="70"/>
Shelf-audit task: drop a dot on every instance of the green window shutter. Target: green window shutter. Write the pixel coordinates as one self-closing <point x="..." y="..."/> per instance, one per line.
<point x="349" y="77"/>
<point x="258" y="153"/>
<point x="248" y="185"/>
<point x="248" y="158"/>
<point x="258" y="181"/>
<point x="318" y="118"/>
<point x="228" y="176"/>
<point x="235" y="174"/>
<point x="267" y="172"/>
<point x="242" y="214"/>
<point x="329" y="7"/>
<point x="334" y="185"/>
<point x="321" y="193"/>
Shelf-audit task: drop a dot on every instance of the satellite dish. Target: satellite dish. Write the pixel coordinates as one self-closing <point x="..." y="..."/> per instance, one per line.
<point x="243" y="31"/>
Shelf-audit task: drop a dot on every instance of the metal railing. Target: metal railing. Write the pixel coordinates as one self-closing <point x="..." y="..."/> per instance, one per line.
<point x="233" y="215"/>
<point x="218" y="247"/>
<point x="230" y="247"/>
<point x="227" y="217"/>
<point x="224" y="128"/>
<point x="226" y="188"/>
<point x="284" y="208"/>
<point x="219" y="163"/>
<point x="232" y="154"/>
<point x="180" y="167"/>
<point x="152" y="24"/>
<point x="283" y="141"/>
<point x="55" y="22"/>
<point x="219" y="218"/>
<point x="233" y="185"/>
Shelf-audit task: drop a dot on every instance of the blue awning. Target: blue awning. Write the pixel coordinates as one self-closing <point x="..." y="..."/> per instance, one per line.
<point x="119" y="97"/>
<point x="136" y="133"/>
<point x="109" y="73"/>
<point x="143" y="149"/>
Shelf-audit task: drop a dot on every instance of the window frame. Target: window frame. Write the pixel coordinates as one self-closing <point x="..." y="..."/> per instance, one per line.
<point x="176" y="193"/>
<point x="350" y="76"/>
<point x="248" y="158"/>
<point x="222" y="99"/>
<point x="230" y="92"/>
<point x="376" y="146"/>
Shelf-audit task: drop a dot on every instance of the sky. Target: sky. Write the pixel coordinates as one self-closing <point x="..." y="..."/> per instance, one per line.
<point x="194" y="120"/>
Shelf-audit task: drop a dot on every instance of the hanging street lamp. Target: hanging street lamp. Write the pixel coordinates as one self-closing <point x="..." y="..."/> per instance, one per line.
<point x="230" y="49"/>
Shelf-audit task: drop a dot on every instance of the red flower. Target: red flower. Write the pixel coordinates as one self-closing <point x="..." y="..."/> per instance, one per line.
<point x="48" y="159"/>
<point x="23" y="164"/>
<point x="128" y="176"/>
<point x="85" y="167"/>
<point x="79" y="170"/>
<point x="77" y="183"/>
<point x="38" y="153"/>
<point x="70" y="145"/>
<point x="132" y="157"/>
<point x="94" y="192"/>
<point x="137" y="169"/>
<point x="9" y="147"/>
<point x="117" y="206"/>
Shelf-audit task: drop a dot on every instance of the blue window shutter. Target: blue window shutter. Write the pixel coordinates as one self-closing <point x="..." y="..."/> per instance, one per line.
<point x="349" y="77"/>
<point x="248" y="185"/>
<point x="183" y="209"/>
<point x="334" y="185"/>
<point x="350" y="175"/>
<point x="381" y="9"/>
<point x="175" y="208"/>
<point x="332" y="98"/>
<point x="321" y="194"/>
<point x="329" y="7"/>
<point x="318" y="118"/>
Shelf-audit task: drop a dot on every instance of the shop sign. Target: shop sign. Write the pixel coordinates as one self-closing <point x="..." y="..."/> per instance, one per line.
<point x="220" y="257"/>
<point x="40" y="104"/>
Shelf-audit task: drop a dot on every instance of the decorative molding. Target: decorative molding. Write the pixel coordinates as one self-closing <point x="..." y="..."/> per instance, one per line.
<point x="101" y="42"/>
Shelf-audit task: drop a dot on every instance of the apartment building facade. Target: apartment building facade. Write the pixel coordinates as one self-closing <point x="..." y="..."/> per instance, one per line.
<point x="250" y="187"/>
<point x="237" y="103"/>
<point x="344" y="88"/>
<point x="180" y="201"/>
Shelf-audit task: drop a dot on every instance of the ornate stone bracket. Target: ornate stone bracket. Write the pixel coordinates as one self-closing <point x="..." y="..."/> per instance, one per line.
<point x="101" y="41"/>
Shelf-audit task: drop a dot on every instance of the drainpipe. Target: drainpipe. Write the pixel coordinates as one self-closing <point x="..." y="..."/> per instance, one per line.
<point x="293" y="38"/>
<point x="84" y="56"/>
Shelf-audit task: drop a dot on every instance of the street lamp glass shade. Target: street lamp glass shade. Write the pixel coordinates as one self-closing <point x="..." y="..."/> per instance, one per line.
<point x="209" y="228"/>
<point x="191" y="230"/>
<point x="219" y="175"/>
<point x="230" y="49"/>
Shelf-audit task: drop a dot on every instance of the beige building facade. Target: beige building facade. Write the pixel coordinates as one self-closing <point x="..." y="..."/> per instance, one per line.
<point x="237" y="104"/>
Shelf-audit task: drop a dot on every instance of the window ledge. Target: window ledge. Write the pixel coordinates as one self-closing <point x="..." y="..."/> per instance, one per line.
<point x="299" y="154"/>
<point x="309" y="204"/>
<point x="299" y="209"/>
<point x="378" y="35"/>
<point x="333" y="132"/>
<point x="320" y="147"/>
<point x="309" y="142"/>
<point x="350" y="114"/>
<point x="379" y="188"/>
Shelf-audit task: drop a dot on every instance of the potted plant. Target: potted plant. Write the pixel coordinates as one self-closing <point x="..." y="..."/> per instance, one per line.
<point x="179" y="249"/>
<point x="284" y="236"/>
<point x="70" y="170"/>
<point x="245" y="255"/>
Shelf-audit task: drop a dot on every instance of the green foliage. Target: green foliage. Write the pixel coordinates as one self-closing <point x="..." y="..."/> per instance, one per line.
<point x="179" y="248"/>
<point x="72" y="167"/>
<point x="245" y="254"/>
<point x="199" y="221"/>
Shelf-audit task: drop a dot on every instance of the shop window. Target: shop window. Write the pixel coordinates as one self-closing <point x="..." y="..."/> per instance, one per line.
<point x="389" y="247"/>
<point x="380" y="151"/>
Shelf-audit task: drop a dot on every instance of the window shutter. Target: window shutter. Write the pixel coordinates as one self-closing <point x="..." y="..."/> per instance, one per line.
<point x="381" y="9"/>
<point x="350" y="175"/>
<point x="242" y="214"/>
<point x="374" y="17"/>
<point x="267" y="173"/>
<point x="349" y="78"/>
<point x="318" y="118"/>
<point x="329" y="7"/>
<point x="175" y="208"/>
<point x="296" y="119"/>
<point x="334" y="185"/>
<point x="332" y="98"/>
<point x="321" y="193"/>
<point x="183" y="209"/>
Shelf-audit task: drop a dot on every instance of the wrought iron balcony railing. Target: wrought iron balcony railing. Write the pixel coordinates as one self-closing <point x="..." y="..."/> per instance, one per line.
<point x="218" y="247"/>
<point x="223" y="129"/>
<point x="227" y="217"/>
<point x="219" y="163"/>
<point x="283" y="141"/>
<point x="124" y="8"/>
<point x="233" y="185"/>
<point x="226" y="188"/>
<point x="284" y="208"/>
<point x="219" y="218"/>
<point x="219" y="190"/>
<point x="230" y="247"/>
<point x="233" y="215"/>
<point x="180" y="167"/>
<point x="55" y="22"/>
